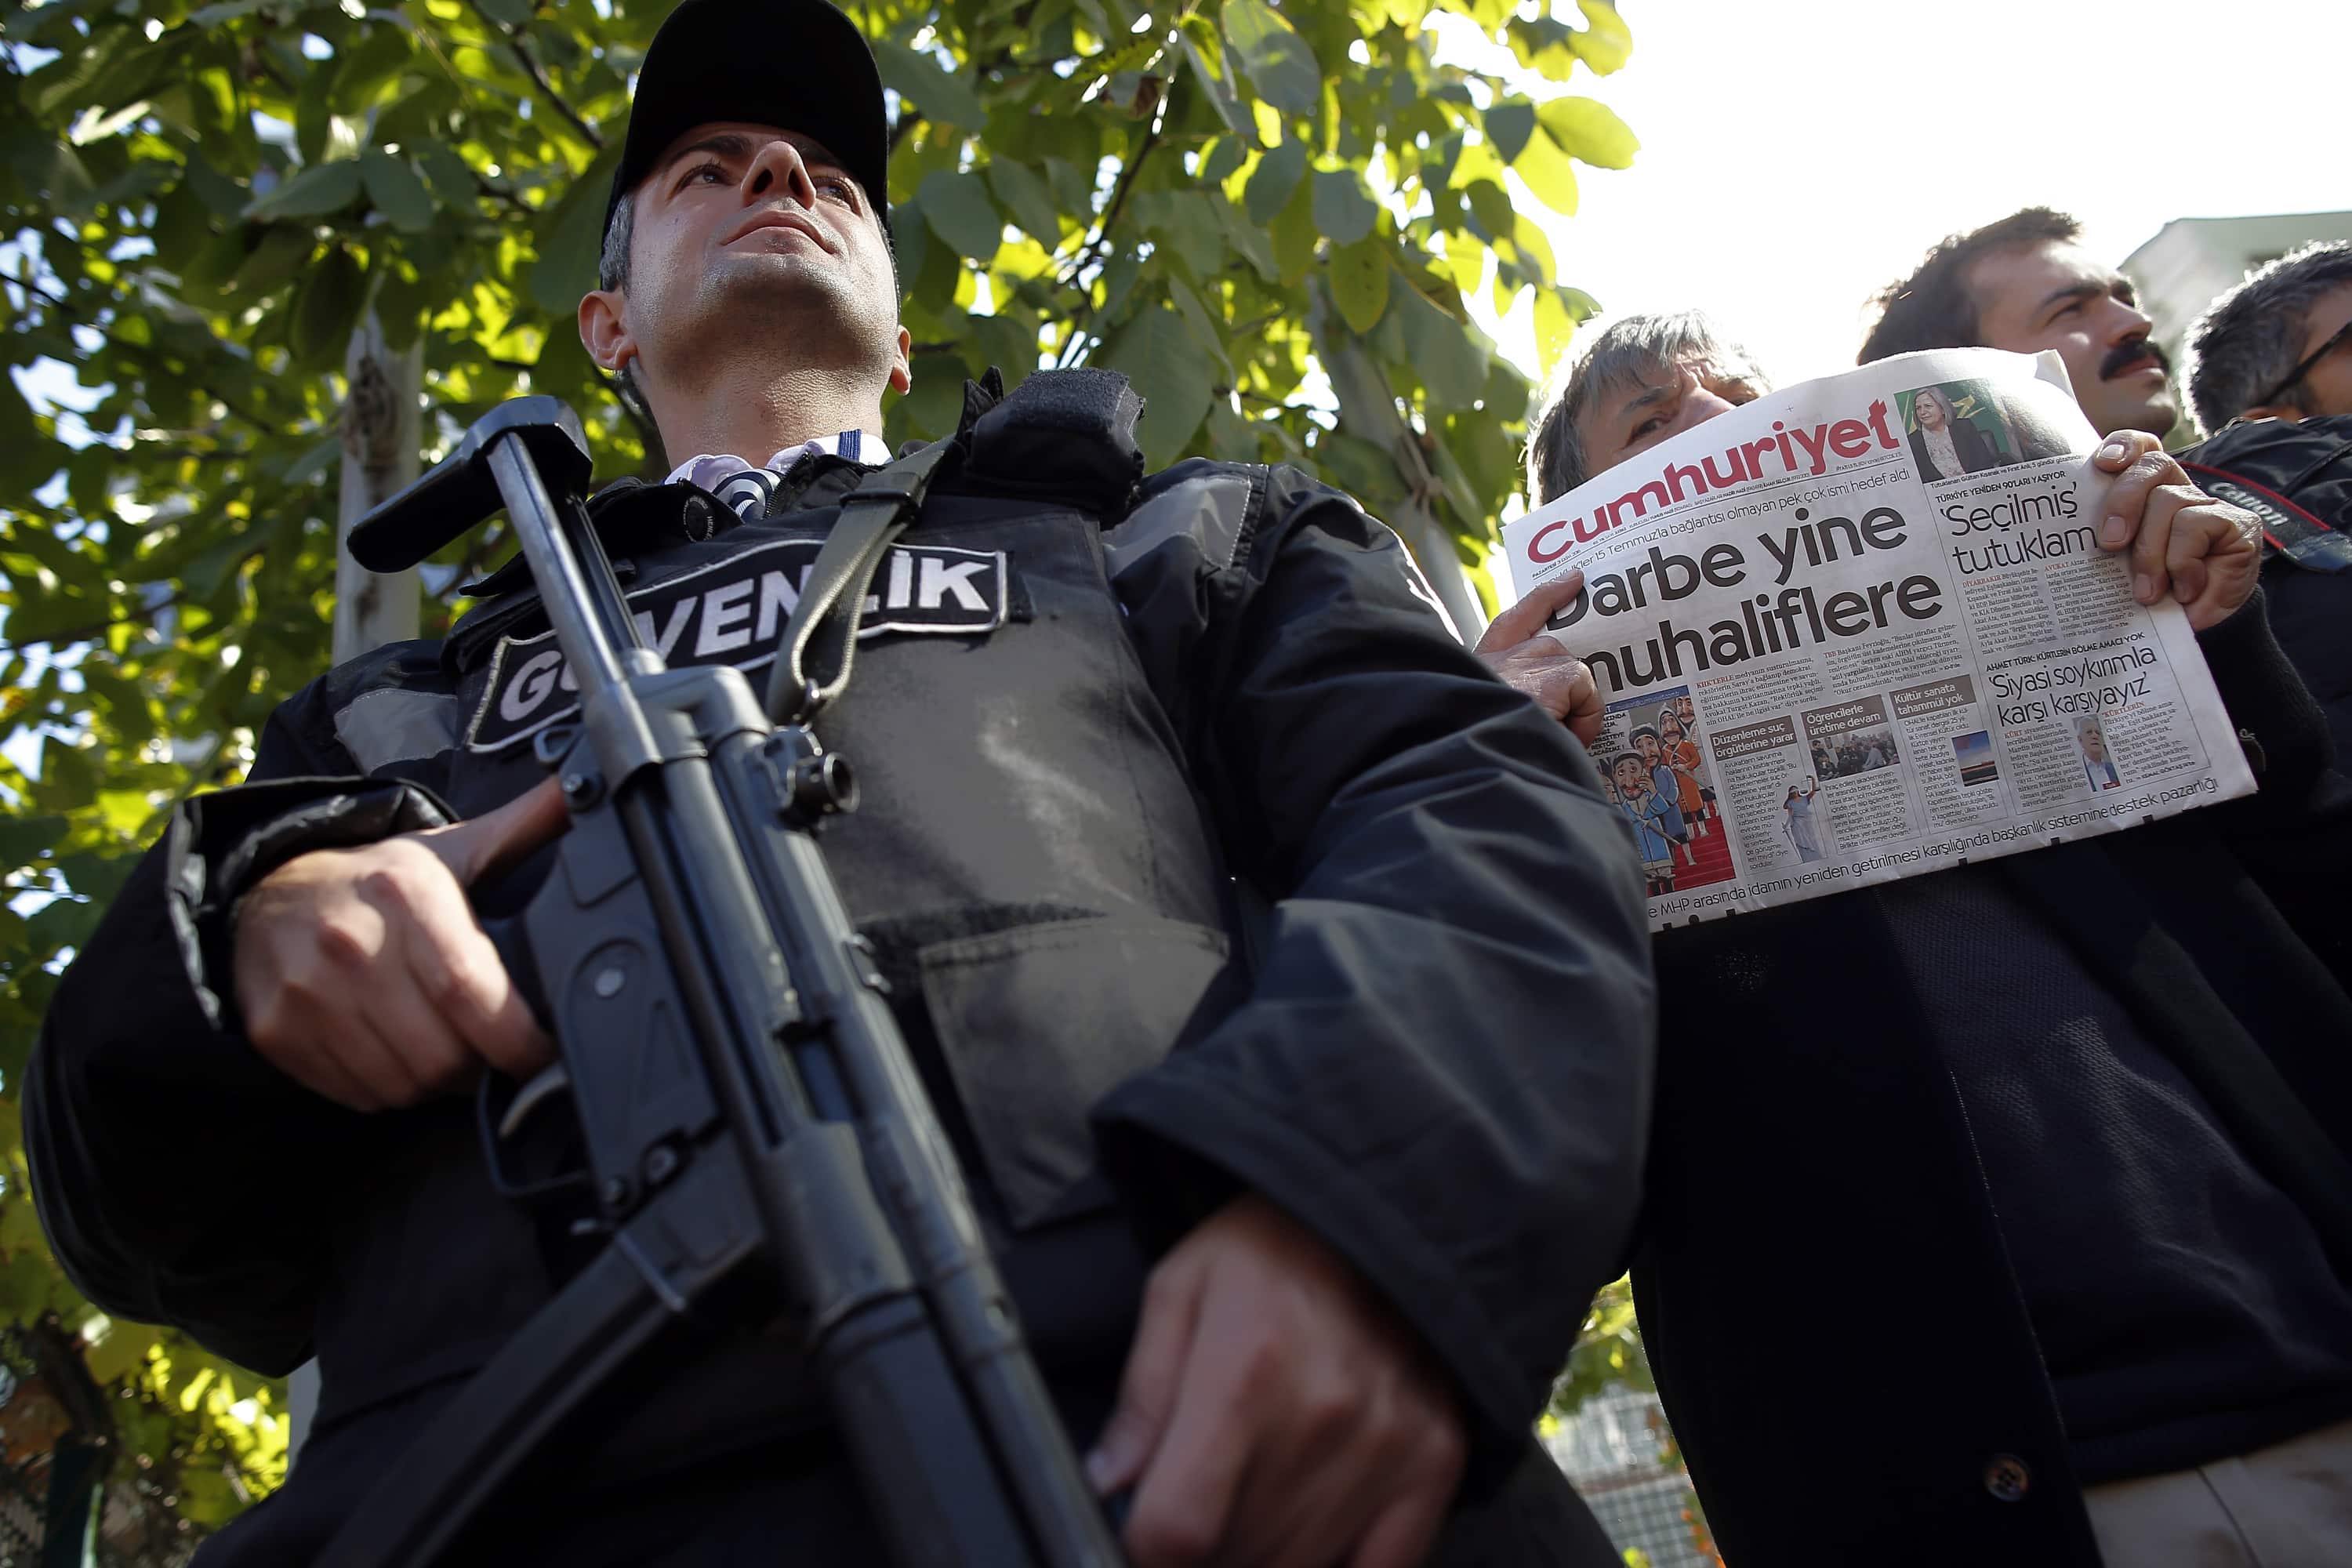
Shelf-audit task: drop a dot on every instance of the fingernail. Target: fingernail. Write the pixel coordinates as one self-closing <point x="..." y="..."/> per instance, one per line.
<point x="2114" y="531"/>
<point x="2143" y="588"/>
<point x="2182" y="591"/>
<point x="2112" y="452"/>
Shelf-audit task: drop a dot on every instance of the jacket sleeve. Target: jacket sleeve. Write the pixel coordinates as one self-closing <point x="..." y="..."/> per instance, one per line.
<point x="181" y="1178"/>
<point x="1444" y="1066"/>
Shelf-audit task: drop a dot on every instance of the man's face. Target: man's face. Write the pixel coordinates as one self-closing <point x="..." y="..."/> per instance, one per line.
<point x="2094" y="745"/>
<point x="2326" y="387"/>
<point x="1624" y="420"/>
<point x="2055" y="296"/>
<point x="745" y="232"/>
<point x="1648" y="747"/>
<point x="1631" y="781"/>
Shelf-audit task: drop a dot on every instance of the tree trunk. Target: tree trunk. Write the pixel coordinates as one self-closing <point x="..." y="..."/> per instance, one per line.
<point x="381" y="441"/>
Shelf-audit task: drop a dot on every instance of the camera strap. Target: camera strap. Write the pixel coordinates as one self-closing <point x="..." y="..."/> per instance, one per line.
<point x="820" y="640"/>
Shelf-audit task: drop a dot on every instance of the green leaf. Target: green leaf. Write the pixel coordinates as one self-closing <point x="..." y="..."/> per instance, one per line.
<point x="1026" y="196"/>
<point x="1249" y="240"/>
<point x="931" y="408"/>
<point x="1548" y="174"/>
<point x="273" y="261"/>
<point x="1270" y="183"/>
<point x="1173" y="373"/>
<point x="221" y="197"/>
<point x="1220" y="95"/>
<point x="1450" y="356"/>
<point x="1293" y="237"/>
<point x="1490" y="207"/>
<point x="1344" y="210"/>
<point x="393" y="187"/>
<point x="1589" y="130"/>
<point x="1555" y="325"/>
<point x="363" y="69"/>
<point x="570" y="240"/>
<point x="23" y="837"/>
<point x="1508" y="125"/>
<point x="918" y="78"/>
<point x="1359" y="283"/>
<point x="956" y="207"/>
<point x="313" y="192"/>
<point x="1606" y="43"/>
<point x="1274" y="57"/>
<point x="327" y="307"/>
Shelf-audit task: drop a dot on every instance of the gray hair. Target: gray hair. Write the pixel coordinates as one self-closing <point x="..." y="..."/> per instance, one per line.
<point x="2247" y="341"/>
<point x="613" y="273"/>
<point x="1629" y="352"/>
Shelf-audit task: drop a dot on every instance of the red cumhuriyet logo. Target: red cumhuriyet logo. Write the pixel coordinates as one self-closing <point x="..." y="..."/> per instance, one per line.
<point x="1799" y="451"/>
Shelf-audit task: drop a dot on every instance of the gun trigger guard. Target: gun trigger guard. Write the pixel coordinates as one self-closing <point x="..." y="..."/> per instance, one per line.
<point x="546" y="1084"/>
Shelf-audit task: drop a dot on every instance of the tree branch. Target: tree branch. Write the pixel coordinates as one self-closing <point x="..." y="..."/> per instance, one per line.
<point x="519" y="42"/>
<point x="99" y="628"/>
<point x="499" y="193"/>
<point x="1087" y="255"/>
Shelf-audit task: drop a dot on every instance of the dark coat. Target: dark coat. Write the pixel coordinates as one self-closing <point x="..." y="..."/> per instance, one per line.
<point x="1223" y="668"/>
<point x="1823" y="1288"/>
<point x="1977" y="454"/>
<point x="2296" y="477"/>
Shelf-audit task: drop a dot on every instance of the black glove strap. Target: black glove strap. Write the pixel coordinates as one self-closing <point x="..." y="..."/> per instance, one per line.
<point x="820" y="638"/>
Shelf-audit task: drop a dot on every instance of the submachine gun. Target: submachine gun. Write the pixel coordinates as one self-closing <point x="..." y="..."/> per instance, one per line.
<point x="745" y="1104"/>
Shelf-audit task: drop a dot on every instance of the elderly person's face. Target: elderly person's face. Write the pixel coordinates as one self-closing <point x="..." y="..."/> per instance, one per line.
<point x="1930" y="410"/>
<point x="2094" y="745"/>
<point x="1635" y="416"/>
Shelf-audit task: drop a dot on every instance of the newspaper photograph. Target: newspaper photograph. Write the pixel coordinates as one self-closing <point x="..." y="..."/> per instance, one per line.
<point x="1860" y="628"/>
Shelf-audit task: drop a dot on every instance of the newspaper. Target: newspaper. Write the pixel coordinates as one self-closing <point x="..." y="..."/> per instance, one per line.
<point x="1860" y="629"/>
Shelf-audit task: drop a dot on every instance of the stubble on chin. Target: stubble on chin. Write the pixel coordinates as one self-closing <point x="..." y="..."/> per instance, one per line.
<point x="813" y="306"/>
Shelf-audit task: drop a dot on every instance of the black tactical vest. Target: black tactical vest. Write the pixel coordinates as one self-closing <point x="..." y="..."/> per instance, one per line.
<point x="1030" y="859"/>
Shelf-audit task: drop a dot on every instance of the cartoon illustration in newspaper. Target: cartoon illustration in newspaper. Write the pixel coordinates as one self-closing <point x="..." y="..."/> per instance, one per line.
<point x="1655" y="773"/>
<point x="1860" y="629"/>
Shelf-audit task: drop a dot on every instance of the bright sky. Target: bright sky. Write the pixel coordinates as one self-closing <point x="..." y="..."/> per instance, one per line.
<point x="1796" y="156"/>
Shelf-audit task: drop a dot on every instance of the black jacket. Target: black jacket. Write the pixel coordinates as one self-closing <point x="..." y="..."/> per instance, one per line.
<point x="1824" y="1285"/>
<point x="1090" y="701"/>
<point x="1969" y="444"/>
<point x="2296" y="476"/>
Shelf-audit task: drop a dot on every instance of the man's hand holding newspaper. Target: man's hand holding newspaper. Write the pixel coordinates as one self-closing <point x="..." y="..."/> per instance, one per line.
<point x="2204" y="553"/>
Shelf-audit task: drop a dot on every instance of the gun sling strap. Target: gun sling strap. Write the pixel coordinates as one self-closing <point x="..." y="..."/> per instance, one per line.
<point x="820" y="640"/>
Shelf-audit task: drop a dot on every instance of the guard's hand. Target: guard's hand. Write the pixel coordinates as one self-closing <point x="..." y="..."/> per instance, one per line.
<point x="2204" y="552"/>
<point x="362" y="974"/>
<point x="1276" y="1414"/>
<point x="1517" y="648"/>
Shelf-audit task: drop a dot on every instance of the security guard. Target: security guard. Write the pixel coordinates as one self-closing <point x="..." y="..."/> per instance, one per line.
<point x="1300" y="1226"/>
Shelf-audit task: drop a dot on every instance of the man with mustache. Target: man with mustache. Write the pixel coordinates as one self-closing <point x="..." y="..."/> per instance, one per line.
<point x="2077" y="1223"/>
<point x="2024" y="284"/>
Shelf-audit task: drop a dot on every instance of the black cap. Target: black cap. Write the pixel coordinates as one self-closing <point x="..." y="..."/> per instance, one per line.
<point x="798" y="64"/>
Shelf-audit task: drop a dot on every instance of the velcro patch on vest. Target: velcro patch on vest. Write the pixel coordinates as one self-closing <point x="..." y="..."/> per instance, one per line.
<point x="733" y="612"/>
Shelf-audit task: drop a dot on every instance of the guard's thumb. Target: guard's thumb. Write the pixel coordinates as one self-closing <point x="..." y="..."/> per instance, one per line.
<point x="480" y="846"/>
